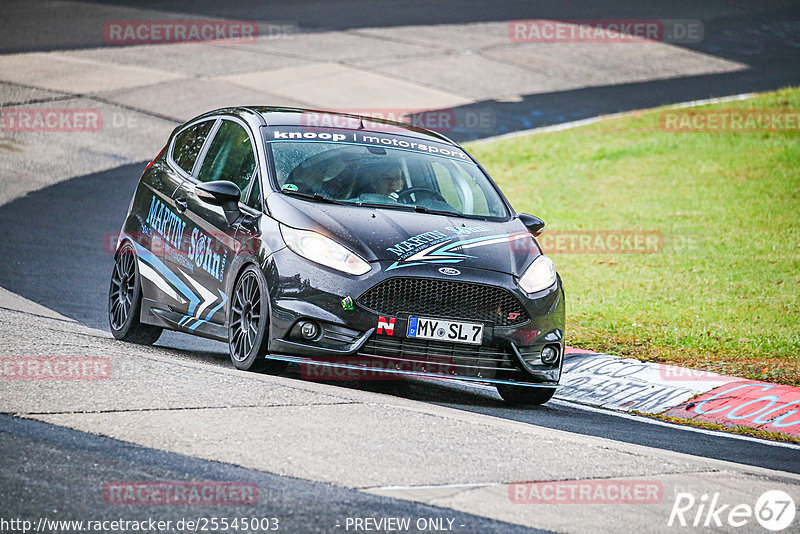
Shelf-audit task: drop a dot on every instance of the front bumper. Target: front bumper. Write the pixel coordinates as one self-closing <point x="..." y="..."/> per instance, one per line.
<point x="349" y="338"/>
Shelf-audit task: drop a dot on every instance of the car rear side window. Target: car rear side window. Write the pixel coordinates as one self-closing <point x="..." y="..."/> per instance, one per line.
<point x="230" y="157"/>
<point x="188" y="144"/>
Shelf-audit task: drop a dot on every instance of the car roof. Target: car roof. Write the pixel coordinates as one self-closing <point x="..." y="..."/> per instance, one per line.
<point x="287" y="116"/>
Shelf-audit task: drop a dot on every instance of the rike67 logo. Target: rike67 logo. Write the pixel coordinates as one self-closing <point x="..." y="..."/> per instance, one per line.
<point x="774" y="510"/>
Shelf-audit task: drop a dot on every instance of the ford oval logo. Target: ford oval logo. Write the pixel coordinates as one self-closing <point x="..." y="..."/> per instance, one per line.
<point x="449" y="271"/>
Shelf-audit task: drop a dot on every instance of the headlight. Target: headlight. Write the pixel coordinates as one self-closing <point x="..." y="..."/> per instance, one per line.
<point x="320" y="249"/>
<point x="540" y="275"/>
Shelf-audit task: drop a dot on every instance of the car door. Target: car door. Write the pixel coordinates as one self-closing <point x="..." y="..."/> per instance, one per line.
<point x="162" y="226"/>
<point x="209" y="242"/>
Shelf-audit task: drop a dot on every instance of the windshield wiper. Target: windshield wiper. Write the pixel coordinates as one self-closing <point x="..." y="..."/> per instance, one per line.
<point x="379" y="205"/>
<point x="423" y="209"/>
<point x="315" y="197"/>
<point x="409" y="207"/>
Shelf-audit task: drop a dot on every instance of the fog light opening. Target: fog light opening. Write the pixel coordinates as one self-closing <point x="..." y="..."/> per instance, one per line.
<point x="309" y="329"/>
<point x="550" y="354"/>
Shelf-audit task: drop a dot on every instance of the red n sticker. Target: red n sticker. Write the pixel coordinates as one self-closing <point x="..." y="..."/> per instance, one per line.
<point x="388" y="326"/>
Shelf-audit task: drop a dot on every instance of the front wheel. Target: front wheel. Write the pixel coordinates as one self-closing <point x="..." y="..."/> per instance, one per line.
<point x="525" y="395"/>
<point x="248" y="324"/>
<point x="125" y="301"/>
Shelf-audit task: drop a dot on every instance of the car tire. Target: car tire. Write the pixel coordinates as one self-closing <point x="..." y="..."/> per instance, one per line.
<point x="248" y="324"/>
<point x="125" y="301"/>
<point x="525" y="395"/>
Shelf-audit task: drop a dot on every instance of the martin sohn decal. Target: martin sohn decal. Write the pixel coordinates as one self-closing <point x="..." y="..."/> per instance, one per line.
<point x="165" y="222"/>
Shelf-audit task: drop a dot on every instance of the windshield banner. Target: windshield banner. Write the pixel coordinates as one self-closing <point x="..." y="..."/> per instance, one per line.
<point x="369" y="139"/>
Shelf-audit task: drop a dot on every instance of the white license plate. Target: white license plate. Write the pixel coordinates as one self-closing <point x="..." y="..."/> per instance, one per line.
<point x="441" y="330"/>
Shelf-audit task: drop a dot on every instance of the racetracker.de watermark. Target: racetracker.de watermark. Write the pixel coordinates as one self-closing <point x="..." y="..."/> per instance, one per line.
<point x="196" y="246"/>
<point x="50" y="120"/>
<point x="601" y="241"/>
<point x="730" y="120"/>
<point x="439" y="120"/>
<point x="676" y="373"/>
<point x="606" y="31"/>
<point x="186" y="493"/>
<point x="136" y="32"/>
<point x="587" y="492"/>
<point x="368" y="369"/>
<point x="55" y="368"/>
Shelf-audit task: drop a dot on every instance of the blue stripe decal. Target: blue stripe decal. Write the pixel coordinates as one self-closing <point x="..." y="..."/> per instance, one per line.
<point x="196" y="324"/>
<point x="398" y="265"/>
<point x="224" y="298"/>
<point x="186" y="319"/>
<point x="151" y="259"/>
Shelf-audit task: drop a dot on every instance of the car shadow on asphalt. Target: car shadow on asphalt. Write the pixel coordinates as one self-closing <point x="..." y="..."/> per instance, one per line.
<point x="430" y="390"/>
<point x="57" y="243"/>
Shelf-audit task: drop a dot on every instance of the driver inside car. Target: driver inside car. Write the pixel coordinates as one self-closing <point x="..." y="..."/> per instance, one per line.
<point x="388" y="181"/>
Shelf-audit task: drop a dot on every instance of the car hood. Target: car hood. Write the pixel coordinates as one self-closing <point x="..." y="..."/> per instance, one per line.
<point x="404" y="240"/>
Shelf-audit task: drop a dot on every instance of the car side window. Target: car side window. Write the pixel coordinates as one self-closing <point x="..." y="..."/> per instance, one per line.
<point x="459" y="189"/>
<point x="446" y="186"/>
<point x="230" y="157"/>
<point x="188" y="144"/>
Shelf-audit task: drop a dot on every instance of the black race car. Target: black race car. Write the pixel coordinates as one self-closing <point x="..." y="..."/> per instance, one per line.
<point x="338" y="241"/>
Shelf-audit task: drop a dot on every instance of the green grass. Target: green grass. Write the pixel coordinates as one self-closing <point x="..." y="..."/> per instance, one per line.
<point x="724" y="292"/>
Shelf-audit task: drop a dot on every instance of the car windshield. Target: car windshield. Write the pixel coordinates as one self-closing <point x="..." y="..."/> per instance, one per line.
<point x="379" y="176"/>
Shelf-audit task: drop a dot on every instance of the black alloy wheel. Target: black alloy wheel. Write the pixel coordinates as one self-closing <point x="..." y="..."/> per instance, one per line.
<point x="125" y="301"/>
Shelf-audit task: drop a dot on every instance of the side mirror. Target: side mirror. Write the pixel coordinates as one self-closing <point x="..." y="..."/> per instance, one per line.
<point x="222" y="193"/>
<point x="534" y="224"/>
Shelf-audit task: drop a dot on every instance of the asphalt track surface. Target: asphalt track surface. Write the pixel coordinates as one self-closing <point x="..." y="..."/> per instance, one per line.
<point x="765" y="38"/>
<point x="94" y="461"/>
<point x="54" y="245"/>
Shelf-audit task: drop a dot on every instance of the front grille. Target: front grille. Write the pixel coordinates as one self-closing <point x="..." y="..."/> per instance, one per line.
<point x="446" y="299"/>
<point x="436" y="357"/>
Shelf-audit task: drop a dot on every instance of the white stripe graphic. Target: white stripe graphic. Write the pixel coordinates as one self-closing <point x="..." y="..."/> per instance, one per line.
<point x="423" y="255"/>
<point x="208" y="297"/>
<point x="147" y="272"/>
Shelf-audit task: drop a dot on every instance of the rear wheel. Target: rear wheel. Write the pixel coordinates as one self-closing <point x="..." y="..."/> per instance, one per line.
<point x="125" y="301"/>
<point x="248" y="324"/>
<point x="525" y="395"/>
